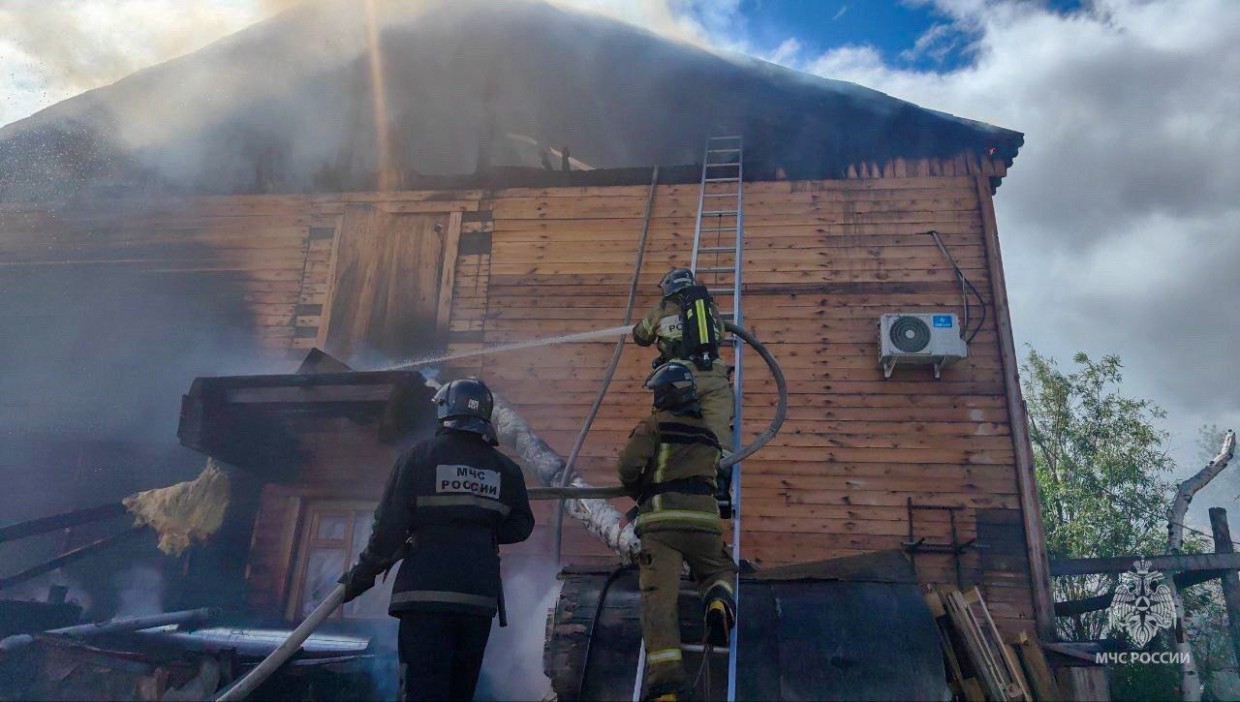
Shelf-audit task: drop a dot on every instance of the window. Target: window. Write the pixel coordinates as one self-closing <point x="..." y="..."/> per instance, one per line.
<point x="333" y="534"/>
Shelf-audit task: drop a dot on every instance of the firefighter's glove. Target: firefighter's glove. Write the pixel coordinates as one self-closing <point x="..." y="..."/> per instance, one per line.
<point x="358" y="580"/>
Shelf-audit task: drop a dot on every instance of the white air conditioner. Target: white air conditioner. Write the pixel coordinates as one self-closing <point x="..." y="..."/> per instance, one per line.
<point x="919" y="339"/>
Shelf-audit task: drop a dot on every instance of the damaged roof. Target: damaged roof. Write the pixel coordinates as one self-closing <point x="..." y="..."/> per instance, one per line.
<point x="289" y="105"/>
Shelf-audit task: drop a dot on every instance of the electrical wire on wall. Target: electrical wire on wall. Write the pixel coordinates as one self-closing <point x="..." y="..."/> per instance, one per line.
<point x="965" y="288"/>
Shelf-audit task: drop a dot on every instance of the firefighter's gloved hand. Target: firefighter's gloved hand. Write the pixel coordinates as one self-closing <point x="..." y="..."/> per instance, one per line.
<point x="358" y="580"/>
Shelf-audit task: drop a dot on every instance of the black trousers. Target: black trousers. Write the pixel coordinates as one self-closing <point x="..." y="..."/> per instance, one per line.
<point x="441" y="655"/>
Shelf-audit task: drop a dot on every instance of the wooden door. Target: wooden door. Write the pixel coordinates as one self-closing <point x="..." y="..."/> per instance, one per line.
<point x="384" y="292"/>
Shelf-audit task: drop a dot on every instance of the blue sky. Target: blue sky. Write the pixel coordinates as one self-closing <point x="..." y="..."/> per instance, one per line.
<point x="890" y="26"/>
<point x="911" y="34"/>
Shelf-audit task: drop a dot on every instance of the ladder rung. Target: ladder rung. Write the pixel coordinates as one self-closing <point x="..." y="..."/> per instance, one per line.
<point x="700" y="648"/>
<point x="722" y="180"/>
<point x="721" y="194"/>
<point x="717" y="249"/>
<point x="722" y="164"/>
<point x="723" y="151"/>
<point x="720" y="291"/>
<point x="716" y="269"/>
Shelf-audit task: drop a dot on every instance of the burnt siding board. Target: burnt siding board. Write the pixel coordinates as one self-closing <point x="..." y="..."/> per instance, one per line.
<point x="474" y="243"/>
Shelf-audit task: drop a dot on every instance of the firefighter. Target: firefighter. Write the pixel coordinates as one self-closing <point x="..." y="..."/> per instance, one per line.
<point x="686" y="325"/>
<point x="450" y="502"/>
<point x="668" y="466"/>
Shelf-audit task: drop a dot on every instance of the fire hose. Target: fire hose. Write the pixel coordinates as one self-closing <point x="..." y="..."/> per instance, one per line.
<point x="244" y="687"/>
<point x="777" y="420"/>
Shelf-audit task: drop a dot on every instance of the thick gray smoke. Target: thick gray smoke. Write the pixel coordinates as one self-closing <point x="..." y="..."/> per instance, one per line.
<point x="140" y="591"/>
<point x="95" y="360"/>
<point x="513" y="668"/>
<point x="290" y="105"/>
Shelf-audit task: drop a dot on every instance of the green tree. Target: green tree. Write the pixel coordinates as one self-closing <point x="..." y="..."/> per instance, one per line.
<point x="1103" y="475"/>
<point x="1102" y="471"/>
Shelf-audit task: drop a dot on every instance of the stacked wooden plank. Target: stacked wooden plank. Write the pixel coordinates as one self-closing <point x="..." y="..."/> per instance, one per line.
<point x="982" y="664"/>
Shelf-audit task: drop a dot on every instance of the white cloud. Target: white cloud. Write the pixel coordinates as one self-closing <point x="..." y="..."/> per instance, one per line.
<point x="787" y="52"/>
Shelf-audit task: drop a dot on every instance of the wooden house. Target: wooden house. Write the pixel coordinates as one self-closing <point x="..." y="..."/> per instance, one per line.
<point x="835" y="236"/>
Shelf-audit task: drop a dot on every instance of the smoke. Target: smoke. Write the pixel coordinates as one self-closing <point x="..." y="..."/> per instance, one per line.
<point x="513" y="667"/>
<point x="64" y="47"/>
<point x="140" y="591"/>
<point x="96" y="358"/>
<point x="60" y="48"/>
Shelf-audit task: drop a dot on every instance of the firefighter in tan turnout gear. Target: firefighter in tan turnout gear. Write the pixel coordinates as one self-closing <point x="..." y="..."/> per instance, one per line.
<point x="669" y="467"/>
<point x="686" y="326"/>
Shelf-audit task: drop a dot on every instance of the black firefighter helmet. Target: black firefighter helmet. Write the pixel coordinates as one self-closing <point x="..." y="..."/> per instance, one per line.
<point x="673" y="386"/>
<point x="465" y="404"/>
<point x="676" y="280"/>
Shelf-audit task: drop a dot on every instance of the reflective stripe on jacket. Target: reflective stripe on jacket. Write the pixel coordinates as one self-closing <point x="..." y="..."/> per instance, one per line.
<point x="454" y="498"/>
<point x="667" y="455"/>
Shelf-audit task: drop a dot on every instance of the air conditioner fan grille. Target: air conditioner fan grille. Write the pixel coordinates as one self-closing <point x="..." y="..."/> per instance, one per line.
<point x="910" y="334"/>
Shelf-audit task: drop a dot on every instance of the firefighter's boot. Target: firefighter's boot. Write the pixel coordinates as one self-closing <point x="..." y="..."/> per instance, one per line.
<point x="720" y="619"/>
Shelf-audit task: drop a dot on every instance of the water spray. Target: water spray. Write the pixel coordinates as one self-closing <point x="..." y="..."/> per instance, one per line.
<point x="412" y="363"/>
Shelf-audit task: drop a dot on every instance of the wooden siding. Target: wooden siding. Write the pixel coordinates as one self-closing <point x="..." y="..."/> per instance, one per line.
<point x="823" y="260"/>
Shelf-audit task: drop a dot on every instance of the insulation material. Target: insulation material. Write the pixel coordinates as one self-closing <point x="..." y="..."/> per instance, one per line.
<point x="185" y="512"/>
<point x="599" y="517"/>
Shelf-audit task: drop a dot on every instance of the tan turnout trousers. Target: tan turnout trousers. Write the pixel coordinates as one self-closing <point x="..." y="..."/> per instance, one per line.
<point x="660" y="560"/>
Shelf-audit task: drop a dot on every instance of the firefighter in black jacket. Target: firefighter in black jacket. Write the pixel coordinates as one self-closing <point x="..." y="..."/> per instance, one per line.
<point x="449" y="503"/>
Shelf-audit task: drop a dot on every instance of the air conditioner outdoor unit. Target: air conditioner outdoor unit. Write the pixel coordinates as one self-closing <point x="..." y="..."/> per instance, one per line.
<point x="919" y="339"/>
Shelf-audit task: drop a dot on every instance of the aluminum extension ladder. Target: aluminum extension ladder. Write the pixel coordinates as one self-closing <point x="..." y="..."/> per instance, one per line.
<point x="718" y="250"/>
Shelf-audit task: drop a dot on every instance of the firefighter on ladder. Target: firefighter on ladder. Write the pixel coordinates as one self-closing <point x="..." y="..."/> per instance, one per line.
<point x="686" y="326"/>
<point x="669" y="467"/>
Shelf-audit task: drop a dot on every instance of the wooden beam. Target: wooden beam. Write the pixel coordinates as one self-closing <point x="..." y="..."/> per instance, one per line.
<point x="575" y="493"/>
<point x="326" y="393"/>
<point x="1093" y="604"/>
<point x="1182" y="563"/>
<point x="69" y="557"/>
<point x="1231" y="582"/>
<point x="1031" y="506"/>
<point x="1037" y="671"/>
<point x="61" y="521"/>
<point x="447" y="270"/>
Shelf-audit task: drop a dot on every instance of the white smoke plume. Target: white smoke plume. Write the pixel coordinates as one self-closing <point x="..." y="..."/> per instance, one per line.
<point x="140" y="591"/>
<point x="513" y="667"/>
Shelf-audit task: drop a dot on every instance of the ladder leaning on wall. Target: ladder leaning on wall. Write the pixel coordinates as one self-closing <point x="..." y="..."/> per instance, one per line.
<point x="718" y="250"/>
